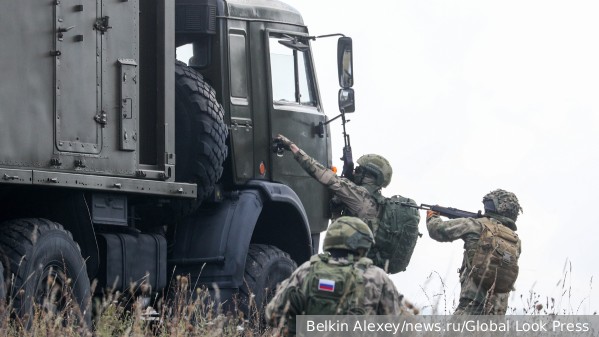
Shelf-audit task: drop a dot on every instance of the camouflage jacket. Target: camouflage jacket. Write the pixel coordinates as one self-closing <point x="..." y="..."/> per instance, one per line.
<point x="381" y="297"/>
<point x="469" y="230"/>
<point x="357" y="199"/>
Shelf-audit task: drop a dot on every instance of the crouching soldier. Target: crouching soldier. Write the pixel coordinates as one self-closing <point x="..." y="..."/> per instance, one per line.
<point x="340" y="281"/>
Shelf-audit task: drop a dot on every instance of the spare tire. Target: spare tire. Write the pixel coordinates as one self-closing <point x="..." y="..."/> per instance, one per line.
<point x="200" y="132"/>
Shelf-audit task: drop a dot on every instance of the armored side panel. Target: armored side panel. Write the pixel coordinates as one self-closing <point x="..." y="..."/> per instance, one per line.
<point x="27" y="84"/>
<point x="69" y="95"/>
<point x="69" y="88"/>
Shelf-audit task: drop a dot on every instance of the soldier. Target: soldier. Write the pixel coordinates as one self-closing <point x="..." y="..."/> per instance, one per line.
<point x="362" y="198"/>
<point x="339" y="281"/>
<point x="486" y="276"/>
<point x="355" y="195"/>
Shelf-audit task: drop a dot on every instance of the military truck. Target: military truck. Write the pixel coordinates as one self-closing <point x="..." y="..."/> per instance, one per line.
<point x="120" y="163"/>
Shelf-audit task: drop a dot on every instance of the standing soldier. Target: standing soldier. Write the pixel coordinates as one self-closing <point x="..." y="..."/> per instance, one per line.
<point x="340" y="281"/>
<point x="491" y="250"/>
<point x="395" y="227"/>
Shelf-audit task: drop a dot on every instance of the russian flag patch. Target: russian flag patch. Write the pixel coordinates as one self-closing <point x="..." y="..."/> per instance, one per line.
<point x="326" y="285"/>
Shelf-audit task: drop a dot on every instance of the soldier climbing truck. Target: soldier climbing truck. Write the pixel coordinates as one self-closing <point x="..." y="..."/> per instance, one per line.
<point x="122" y="164"/>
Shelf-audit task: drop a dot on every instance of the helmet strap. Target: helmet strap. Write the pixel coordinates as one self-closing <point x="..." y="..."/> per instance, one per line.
<point x="372" y="188"/>
<point x="359" y="177"/>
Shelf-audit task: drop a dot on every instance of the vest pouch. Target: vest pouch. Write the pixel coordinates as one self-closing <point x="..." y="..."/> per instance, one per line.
<point x="332" y="289"/>
<point x="495" y="261"/>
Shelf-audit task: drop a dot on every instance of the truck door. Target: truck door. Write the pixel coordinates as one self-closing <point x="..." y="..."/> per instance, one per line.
<point x="96" y="79"/>
<point x="242" y="120"/>
<point x="295" y="111"/>
<point x="77" y="81"/>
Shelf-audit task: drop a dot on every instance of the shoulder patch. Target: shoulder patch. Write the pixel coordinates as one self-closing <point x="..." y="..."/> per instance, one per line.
<point x="326" y="285"/>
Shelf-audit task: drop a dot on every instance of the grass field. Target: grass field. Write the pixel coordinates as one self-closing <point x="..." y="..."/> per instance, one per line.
<point x="183" y="312"/>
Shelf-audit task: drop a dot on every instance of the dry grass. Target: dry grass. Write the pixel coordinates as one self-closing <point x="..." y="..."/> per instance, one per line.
<point x="562" y="304"/>
<point x="181" y="312"/>
<point x="438" y="301"/>
<point x="186" y="310"/>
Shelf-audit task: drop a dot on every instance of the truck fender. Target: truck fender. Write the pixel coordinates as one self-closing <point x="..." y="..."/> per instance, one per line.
<point x="211" y="244"/>
<point x="283" y="212"/>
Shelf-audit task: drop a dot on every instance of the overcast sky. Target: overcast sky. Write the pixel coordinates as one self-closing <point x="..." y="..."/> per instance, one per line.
<point x="464" y="97"/>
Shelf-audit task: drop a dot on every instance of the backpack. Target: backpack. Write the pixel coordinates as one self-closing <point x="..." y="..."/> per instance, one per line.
<point x="334" y="289"/>
<point x="395" y="233"/>
<point x="495" y="259"/>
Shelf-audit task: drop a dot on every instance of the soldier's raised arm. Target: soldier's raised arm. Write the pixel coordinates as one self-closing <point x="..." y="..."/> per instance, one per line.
<point x="357" y="199"/>
<point x="450" y="230"/>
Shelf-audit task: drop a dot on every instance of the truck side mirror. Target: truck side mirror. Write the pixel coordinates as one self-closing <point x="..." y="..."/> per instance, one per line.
<point x="345" y="62"/>
<point x="347" y="102"/>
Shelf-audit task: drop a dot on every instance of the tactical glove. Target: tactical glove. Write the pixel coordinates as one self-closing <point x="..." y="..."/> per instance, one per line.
<point x="430" y="214"/>
<point x="284" y="142"/>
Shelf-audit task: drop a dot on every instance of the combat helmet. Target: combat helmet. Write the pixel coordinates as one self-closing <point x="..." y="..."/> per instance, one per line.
<point x="348" y="233"/>
<point x="503" y="203"/>
<point x="378" y="166"/>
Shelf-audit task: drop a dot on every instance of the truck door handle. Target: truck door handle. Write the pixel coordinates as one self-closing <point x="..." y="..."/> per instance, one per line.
<point x="61" y="30"/>
<point x="64" y="30"/>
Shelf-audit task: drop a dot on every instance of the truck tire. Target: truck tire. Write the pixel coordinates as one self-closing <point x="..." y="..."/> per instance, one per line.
<point x="42" y="253"/>
<point x="200" y="132"/>
<point x="2" y="283"/>
<point x="265" y="267"/>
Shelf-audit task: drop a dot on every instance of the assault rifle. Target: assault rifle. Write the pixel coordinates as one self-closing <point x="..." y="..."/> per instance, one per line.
<point x="448" y="212"/>
<point x="348" y="158"/>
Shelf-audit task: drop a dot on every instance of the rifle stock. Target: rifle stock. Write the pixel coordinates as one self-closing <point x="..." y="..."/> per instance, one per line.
<point x="449" y="212"/>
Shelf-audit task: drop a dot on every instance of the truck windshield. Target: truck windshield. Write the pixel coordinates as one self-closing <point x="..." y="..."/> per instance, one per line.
<point x="291" y="75"/>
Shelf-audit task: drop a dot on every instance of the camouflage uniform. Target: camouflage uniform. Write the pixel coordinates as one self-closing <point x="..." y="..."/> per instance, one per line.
<point x="474" y="300"/>
<point x="351" y="237"/>
<point x="357" y="199"/>
<point x="381" y="297"/>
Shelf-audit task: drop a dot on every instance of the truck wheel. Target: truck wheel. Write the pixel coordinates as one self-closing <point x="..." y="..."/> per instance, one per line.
<point x="265" y="267"/>
<point x="45" y="267"/>
<point x="200" y="131"/>
<point x="2" y="284"/>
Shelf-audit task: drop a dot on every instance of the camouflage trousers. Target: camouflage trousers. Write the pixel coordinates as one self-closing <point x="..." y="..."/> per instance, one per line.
<point x="471" y="307"/>
<point x="477" y="301"/>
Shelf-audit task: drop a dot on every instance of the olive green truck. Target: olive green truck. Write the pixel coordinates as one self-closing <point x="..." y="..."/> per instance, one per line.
<point x="136" y="144"/>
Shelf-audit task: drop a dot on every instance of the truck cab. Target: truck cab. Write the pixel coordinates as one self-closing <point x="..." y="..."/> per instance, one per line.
<point x="265" y="87"/>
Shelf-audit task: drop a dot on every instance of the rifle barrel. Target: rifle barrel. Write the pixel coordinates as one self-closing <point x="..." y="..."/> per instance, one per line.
<point x="449" y="212"/>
